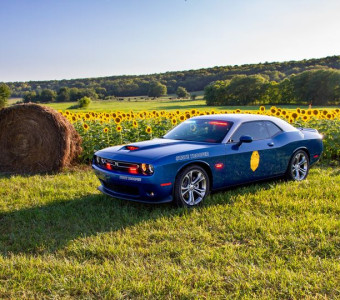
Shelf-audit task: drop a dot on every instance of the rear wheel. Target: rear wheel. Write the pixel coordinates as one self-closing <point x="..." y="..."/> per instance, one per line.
<point x="191" y="186"/>
<point x="298" y="166"/>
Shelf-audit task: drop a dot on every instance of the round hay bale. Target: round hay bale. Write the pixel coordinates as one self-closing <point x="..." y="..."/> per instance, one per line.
<point x="36" y="139"/>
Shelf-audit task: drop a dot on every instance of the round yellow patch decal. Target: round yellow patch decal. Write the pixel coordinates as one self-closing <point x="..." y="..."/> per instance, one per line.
<point x="254" y="160"/>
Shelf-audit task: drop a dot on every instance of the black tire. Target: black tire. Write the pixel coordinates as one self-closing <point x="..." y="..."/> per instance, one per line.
<point x="298" y="166"/>
<point x="186" y="192"/>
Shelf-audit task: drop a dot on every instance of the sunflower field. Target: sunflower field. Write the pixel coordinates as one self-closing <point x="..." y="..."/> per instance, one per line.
<point x="103" y="129"/>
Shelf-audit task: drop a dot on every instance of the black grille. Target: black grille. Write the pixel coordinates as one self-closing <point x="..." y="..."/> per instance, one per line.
<point x="115" y="165"/>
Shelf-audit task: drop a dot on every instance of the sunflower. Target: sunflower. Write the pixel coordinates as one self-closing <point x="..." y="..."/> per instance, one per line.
<point x="119" y="128"/>
<point x="148" y="130"/>
<point x="135" y="124"/>
<point x="273" y="109"/>
<point x="173" y="121"/>
<point x="117" y="120"/>
<point x="262" y="108"/>
<point x="294" y="115"/>
<point x="106" y="130"/>
<point x="86" y="127"/>
<point x="315" y="112"/>
<point x="87" y="116"/>
<point x="74" y="118"/>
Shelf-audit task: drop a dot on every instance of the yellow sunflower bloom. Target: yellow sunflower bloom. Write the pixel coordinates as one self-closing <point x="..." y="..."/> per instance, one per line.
<point x="174" y="121"/>
<point x="148" y="130"/>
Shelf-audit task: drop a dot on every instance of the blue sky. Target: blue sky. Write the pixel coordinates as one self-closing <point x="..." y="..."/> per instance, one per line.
<point x="63" y="39"/>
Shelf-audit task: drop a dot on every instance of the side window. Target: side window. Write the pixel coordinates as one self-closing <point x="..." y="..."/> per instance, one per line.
<point x="272" y="129"/>
<point x="257" y="130"/>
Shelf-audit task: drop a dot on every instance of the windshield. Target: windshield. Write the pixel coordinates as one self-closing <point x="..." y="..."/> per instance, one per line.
<point x="200" y="130"/>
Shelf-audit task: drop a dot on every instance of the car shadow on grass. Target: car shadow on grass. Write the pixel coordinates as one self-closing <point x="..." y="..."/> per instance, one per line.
<point x="47" y="228"/>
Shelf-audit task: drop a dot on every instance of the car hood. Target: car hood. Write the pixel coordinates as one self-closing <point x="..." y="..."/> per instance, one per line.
<point x="149" y="151"/>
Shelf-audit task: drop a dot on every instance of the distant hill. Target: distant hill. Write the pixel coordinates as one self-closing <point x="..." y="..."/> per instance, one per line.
<point x="192" y="80"/>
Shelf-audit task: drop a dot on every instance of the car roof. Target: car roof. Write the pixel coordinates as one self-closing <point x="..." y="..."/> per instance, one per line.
<point x="241" y="118"/>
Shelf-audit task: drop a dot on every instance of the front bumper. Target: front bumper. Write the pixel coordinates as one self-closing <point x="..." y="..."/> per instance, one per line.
<point x="146" y="189"/>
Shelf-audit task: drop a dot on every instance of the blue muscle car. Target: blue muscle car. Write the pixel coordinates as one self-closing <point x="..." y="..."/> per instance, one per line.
<point x="207" y="153"/>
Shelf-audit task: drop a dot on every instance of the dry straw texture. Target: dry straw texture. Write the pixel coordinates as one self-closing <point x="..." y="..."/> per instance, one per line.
<point x="35" y="139"/>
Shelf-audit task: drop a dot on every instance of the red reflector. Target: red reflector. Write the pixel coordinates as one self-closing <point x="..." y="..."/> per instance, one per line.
<point x="166" y="184"/>
<point x="108" y="166"/>
<point x="316" y="156"/>
<point x="133" y="170"/>
<point x="132" y="148"/>
<point x="219" y="123"/>
<point x="219" y="166"/>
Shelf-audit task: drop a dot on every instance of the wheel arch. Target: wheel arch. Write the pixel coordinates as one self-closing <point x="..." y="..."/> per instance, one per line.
<point x="304" y="148"/>
<point x="202" y="164"/>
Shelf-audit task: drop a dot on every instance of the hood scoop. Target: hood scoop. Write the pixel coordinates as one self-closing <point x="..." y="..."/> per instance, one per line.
<point x="130" y="148"/>
<point x="156" y="143"/>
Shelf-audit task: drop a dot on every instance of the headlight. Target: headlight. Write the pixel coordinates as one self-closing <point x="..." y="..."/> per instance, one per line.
<point x="146" y="169"/>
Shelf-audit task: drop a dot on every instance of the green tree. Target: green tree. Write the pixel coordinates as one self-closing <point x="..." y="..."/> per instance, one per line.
<point x="215" y="93"/>
<point x="157" y="89"/>
<point x="30" y="97"/>
<point x="63" y="94"/>
<point x="84" y="102"/>
<point x="182" y="92"/>
<point x="47" y="95"/>
<point x="244" y="90"/>
<point x="318" y="87"/>
<point x="5" y="92"/>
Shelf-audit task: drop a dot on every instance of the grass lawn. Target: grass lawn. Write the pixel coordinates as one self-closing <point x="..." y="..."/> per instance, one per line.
<point x="60" y="238"/>
<point x="158" y="104"/>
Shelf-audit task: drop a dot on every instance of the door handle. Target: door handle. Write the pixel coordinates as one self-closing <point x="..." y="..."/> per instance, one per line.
<point x="271" y="144"/>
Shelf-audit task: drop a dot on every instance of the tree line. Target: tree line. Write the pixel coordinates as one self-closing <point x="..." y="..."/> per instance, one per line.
<point x="191" y="80"/>
<point x="317" y="87"/>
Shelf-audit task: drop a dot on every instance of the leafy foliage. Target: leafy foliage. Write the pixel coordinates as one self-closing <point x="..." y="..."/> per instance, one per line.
<point x="193" y="80"/>
<point x="5" y="92"/>
<point x="157" y="89"/>
<point x="84" y="102"/>
<point x="182" y="92"/>
<point x="320" y="87"/>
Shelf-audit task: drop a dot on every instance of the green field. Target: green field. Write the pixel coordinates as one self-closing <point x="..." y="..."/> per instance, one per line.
<point x="158" y="104"/>
<point x="61" y="238"/>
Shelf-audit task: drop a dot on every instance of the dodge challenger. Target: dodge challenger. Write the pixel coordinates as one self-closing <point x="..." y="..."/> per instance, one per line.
<point x="207" y="153"/>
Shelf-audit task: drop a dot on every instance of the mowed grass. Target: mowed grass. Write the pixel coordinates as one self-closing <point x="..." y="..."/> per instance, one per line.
<point x="60" y="238"/>
<point x="163" y="103"/>
<point x="159" y="104"/>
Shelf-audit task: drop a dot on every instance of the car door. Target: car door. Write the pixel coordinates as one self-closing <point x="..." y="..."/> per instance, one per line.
<point x="254" y="160"/>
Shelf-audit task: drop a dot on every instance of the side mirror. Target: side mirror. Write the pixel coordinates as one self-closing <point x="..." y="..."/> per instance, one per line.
<point x="245" y="139"/>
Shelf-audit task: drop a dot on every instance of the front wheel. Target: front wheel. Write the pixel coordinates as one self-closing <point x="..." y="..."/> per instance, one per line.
<point x="298" y="166"/>
<point x="192" y="186"/>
